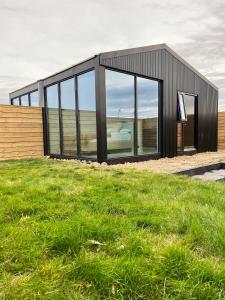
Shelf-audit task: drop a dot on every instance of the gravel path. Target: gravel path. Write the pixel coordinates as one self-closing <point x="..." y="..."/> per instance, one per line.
<point x="178" y="163"/>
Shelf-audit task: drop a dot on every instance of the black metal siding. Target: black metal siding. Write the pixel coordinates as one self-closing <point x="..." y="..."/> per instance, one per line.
<point x="176" y="76"/>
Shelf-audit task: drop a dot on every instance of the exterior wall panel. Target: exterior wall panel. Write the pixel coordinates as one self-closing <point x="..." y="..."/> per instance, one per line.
<point x="176" y="76"/>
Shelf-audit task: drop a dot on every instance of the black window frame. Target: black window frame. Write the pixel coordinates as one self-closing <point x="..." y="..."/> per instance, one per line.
<point x="160" y="118"/>
<point x="196" y="96"/>
<point x="77" y="114"/>
<point x="34" y="91"/>
<point x="19" y="97"/>
<point x="180" y="97"/>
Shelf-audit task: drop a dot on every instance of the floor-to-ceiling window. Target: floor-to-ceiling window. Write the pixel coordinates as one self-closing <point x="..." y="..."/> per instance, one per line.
<point x="64" y="108"/>
<point x="132" y="118"/>
<point x="87" y="114"/>
<point x="68" y="112"/>
<point x="147" y="115"/>
<point x="53" y="119"/>
<point x="120" y="114"/>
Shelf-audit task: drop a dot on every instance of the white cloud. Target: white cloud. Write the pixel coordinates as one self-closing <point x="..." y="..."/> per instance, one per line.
<point x="41" y="37"/>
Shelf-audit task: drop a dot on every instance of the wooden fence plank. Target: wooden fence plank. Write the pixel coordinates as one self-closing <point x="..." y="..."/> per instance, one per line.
<point x="21" y="132"/>
<point x="221" y="130"/>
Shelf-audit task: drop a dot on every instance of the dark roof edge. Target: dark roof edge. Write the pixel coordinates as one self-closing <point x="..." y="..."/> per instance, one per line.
<point x="171" y="51"/>
<point x="124" y="52"/>
<point x="54" y="74"/>
<point x="32" y="86"/>
<point x="152" y="48"/>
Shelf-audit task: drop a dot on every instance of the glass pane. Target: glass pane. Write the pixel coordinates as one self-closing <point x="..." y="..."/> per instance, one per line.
<point x="53" y="120"/>
<point x="147" y="115"/>
<point x="183" y="116"/>
<point x="34" y="99"/>
<point x="120" y="114"/>
<point x="87" y="110"/>
<point x="24" y="100"/>
<point x="16" y="101"/>
<point x="68" y="117"/>
<point x="189" y="126"/>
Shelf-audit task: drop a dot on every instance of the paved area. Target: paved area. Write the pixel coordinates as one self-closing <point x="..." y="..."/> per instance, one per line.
<point x="212" y="175"/>
<point x="178" y="163"/>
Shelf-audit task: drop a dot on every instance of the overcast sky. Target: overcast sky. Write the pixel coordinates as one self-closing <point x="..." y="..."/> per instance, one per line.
<point x="44" y="36"/>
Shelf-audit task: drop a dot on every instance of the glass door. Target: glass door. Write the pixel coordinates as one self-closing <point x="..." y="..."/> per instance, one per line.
<point x="186" y="127"/>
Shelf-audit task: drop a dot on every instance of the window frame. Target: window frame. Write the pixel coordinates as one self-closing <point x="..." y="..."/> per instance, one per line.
<point x="77" y="114"/>
<point x="182" y="115"/>
<point x="20" y="96"/>
<point x="28" y="100"/>
<point x="195" y="149"/>
<point x="160" y="118"/>
<point x="34" y="91"/>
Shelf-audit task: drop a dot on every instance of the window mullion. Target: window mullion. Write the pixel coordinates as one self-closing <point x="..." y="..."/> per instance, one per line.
<point x="60" y="120"/>
<point x="135" y="117"/>
<point x="77" y="117"/>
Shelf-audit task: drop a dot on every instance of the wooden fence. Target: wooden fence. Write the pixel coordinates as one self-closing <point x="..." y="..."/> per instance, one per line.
<point x="221" y="130"/>
<point x="21" y="132"/>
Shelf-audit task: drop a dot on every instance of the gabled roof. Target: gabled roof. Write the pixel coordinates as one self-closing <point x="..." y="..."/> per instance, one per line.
<point x="137" y="50"/>
<point x="131" y="51"/>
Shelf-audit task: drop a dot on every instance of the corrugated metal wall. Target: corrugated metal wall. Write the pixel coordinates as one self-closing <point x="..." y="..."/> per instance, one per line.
<point x="176" y="76"/>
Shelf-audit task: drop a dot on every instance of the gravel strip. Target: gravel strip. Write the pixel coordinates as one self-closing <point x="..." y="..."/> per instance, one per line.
<point x="178" y="163"/>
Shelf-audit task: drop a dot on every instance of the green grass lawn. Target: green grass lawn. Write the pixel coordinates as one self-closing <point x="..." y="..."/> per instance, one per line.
<point x="70" y="231"/>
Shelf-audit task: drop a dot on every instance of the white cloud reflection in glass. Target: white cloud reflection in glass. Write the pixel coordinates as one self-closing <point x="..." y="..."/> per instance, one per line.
<point x="87" y="110"/>
<point x="120" y="114"/>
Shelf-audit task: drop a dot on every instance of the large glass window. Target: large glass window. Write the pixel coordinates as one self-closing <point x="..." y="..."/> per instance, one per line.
<point x="87" y="111"/>
<point x="24" y="100"/>
<point x="68" y="110"/>
<point x="120" y="114"/>
<point x="16" y="101"/>
<point x="53" y="119"/>
<point x="147" y="115"/>
<point x="34" y="99"/>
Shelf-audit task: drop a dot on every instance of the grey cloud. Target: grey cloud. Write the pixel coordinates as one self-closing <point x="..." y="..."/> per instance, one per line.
<point x="41" y="37"/>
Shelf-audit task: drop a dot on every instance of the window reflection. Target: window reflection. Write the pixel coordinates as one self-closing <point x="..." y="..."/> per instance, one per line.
<point x="34" y="99"/>
<point x="120" y="114"/>
<point x="87" y="114"/>
<point x="24" y="100"/>
<point x="68" y="109"/>
<point x="189" y="127"/>
<point x="53" y="119"/>
<point x="147" y="115"/>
